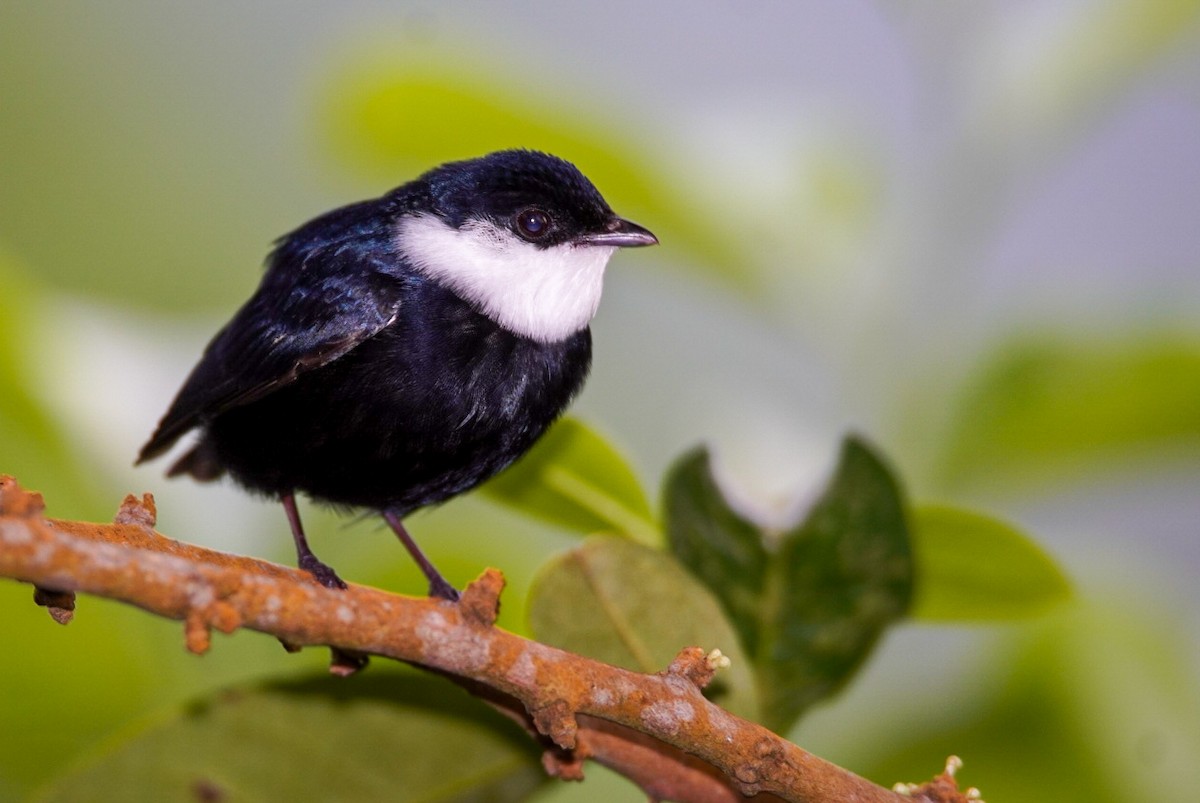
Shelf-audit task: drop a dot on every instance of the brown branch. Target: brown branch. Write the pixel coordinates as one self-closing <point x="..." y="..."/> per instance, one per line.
<point x="658" y="730"/>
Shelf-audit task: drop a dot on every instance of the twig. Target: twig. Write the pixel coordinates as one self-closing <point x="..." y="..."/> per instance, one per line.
<point x="657" y="730"/>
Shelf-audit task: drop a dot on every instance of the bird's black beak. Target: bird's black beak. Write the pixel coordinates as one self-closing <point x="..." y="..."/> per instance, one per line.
<point x="620" y="233"/>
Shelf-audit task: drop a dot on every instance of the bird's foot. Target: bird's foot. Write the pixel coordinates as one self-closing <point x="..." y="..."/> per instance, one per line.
<point x="438" y="587"/>
<point x="324" y="575"/>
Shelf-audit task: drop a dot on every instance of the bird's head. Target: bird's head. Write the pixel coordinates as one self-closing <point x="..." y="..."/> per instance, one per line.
<point x="522" y="235"/>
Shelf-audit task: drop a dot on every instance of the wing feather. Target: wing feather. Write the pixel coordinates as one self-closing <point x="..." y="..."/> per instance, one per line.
<point x="295" y="322"/>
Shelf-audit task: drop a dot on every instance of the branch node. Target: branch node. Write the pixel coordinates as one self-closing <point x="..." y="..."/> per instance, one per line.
<point x="141" y="512"/>
<point x="344" y="663"/>
<point x="693" y="664"/>
<point x="747" y="777"/>
<point x="566" y="766"/>
<point x="556" y="720"/>
<point x="223" y="616"/>
<point x="480" y="602"/>
<point x="766" y="749"/>
<point x="196" y="633"/>
<point x="768" y="761"/>
<point x="943" y="788"/>
<point x="15" y="501"/>
<point x="718" y="660"/>
<point x="59" y="604"/>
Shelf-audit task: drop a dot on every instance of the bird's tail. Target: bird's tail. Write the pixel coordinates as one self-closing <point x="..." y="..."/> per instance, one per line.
<point x="200" y="462"/>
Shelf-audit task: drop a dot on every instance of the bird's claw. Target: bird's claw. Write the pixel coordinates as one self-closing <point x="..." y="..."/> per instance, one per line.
<point x="443" y="590"/>
<point x="323" y="574"/>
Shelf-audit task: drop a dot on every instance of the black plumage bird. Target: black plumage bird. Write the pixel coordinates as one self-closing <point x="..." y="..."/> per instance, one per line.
<point x="402" y="350"/>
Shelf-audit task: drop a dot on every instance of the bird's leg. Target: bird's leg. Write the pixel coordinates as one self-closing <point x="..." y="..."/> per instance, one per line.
<point x="305" y="557"/>
<point x="438" y="585"/>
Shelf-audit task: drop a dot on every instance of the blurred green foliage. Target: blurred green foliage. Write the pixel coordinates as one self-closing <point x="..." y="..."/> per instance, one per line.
<point x="29" y="437"/>
<point x="400" y="118"/>
<point x="388" y="736"/>
<point x="1109" y="47"/>
<point x="1053" y="408"/>
<point x="1091" y="703"/>
<point x="114" y="669"/>
<point x="107" y="187"/>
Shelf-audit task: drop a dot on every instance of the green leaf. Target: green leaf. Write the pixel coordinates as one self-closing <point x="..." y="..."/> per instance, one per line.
<point x="1045" y="410"/>
<point x="636" y="607"/>
<point x="840" y="578"/>
<point x="383" y="736"/>
<point x="574" y="479"/>
<point x="467" y="110"/>
<point x="811" y="609"/>
<point x="725" y="551"/>
<point x="972" y="567"/>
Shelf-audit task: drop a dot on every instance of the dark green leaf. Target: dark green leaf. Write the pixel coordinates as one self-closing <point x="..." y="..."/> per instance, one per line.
<point x="636" y="607"/>
<point x="972" y="567"/>
<point x="383" y="736"/>
<point x="810" y="610"/>
<point x="835" y="584"/>
<point x="715" y="543"/>
<point x="573" y="478"/>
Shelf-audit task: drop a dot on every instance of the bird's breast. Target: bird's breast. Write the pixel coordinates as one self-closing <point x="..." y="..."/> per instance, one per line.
<point x="437" y="402"/>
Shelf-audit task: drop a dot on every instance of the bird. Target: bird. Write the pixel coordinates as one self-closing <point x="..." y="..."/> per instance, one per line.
<point x="400" y="351"/>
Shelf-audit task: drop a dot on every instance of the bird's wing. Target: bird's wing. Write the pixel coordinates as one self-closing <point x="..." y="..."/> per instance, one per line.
<point x="293" y="324"/>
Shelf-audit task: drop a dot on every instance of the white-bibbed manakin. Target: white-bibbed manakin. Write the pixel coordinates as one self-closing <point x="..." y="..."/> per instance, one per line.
<point x="402" y="350"/>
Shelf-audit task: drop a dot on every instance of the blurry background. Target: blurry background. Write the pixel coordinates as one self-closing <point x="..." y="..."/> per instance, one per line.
<point x="970" y="232"/>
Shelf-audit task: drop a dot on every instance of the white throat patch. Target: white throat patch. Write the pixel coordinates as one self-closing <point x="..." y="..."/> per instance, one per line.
<point x="546" y="294"/>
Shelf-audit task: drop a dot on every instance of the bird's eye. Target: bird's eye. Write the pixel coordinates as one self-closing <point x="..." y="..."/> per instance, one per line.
<point x="533" y="224"/>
